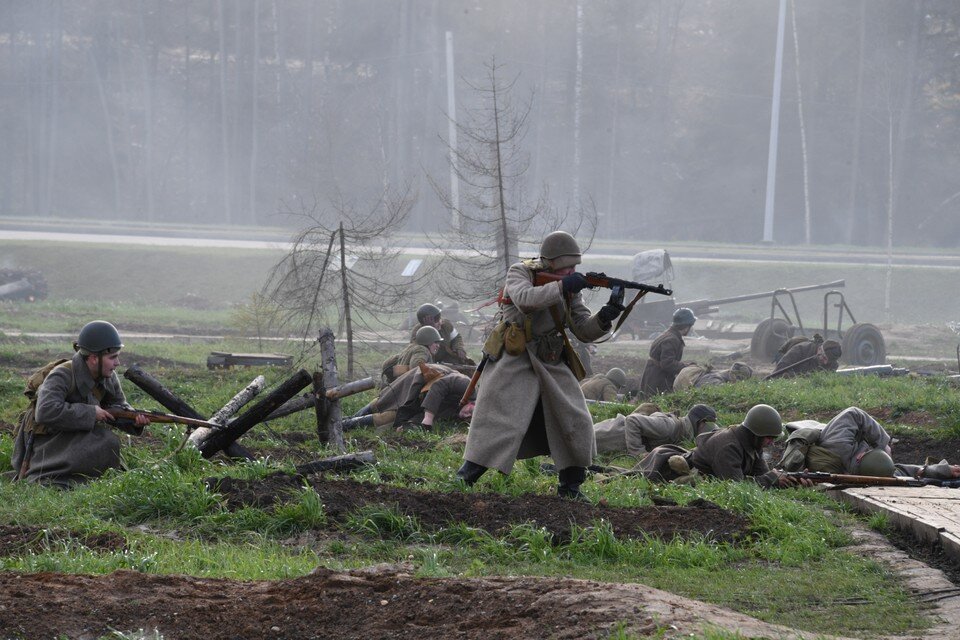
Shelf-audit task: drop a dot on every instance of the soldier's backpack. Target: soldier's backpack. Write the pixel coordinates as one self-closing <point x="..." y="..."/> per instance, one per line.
<point x="27" y="421"/>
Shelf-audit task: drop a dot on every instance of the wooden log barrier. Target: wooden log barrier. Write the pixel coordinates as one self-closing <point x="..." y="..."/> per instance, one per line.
<point x="236" y="403"/>
<point x="155" y="389"/>
<point x="345" y="462"/>
<point x="308" y="400"/>
<point x="332" y="426"/>
<point x="256" y="414"/>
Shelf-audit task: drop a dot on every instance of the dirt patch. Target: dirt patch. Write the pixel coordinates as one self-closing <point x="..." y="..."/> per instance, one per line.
<point x="916" y="449"/>
<point x="18" y="540"/>
<point x="491" y="512"/>
<point x="354" y="605"/>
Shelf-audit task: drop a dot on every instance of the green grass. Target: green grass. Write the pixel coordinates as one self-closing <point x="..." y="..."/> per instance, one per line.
<point x="795" y="569"/>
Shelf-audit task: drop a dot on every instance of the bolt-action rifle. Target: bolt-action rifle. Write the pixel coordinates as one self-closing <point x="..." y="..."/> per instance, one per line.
<point x="124" y="419"/>
<point x="871" y="481"/>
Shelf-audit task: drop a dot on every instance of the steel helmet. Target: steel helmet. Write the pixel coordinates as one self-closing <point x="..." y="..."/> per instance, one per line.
<point x="426" y="336"/>
<point x="617" y="376"/>
<point x="683" y="317"/>
<point x="700" y="412"/>
<point x="561" y="249"/>
<point x="740" y="371"/>
<point x="96" y="337"/>
<point x="763" y="421"/>
<point x="427" y="310"/>
<point x="877" y="462"/>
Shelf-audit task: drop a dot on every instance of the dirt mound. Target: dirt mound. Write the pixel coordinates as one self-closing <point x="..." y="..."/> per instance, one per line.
<point x="18" y="540"/>
<point x="355" y="605"/>
<point x="491" y="512"/>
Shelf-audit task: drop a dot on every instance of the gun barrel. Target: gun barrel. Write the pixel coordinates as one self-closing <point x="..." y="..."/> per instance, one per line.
<point x="694" y="304"/>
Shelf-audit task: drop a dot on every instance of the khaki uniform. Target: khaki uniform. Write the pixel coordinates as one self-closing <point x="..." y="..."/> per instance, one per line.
<point x="409" y="396"/>
<point x="835" y="447"/>
<point x="410" y="358"/>
<point x="636" y="433"/>
<point x="451" y="349"/>
<point x="664" y="363"/>
<point x="697" y="376"/>
<point x="726" y="454"/>
<point x="599" y="387"/>
<point x="803" y="352"/>
<point x="73" y="447"/>
<point x="531" y="404"/>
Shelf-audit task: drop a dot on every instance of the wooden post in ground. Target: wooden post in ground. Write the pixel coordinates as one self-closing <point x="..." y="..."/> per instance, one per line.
<point x="309" y="400"/>
<point x="331" y="425"/>
<point x="235" y="404"/>
<point x="256" y="414"/>
<point x="153" y="388"/>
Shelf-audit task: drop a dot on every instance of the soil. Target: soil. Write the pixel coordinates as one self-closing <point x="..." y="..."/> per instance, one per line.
<point x="494" y="513"/>
<point x="19" y="540"/>
<point x="380" y="603"/>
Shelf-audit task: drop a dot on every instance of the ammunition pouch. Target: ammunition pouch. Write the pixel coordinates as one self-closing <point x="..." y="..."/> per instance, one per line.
<point x="506" y="336"/>
<point x="549" y="348"/>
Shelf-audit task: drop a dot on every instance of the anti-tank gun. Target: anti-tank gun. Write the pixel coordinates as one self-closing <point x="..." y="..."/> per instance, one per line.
<point x="861" y="343"/>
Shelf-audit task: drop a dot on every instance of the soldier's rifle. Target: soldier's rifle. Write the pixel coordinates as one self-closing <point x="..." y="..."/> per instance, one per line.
<point x="819" y="477"/>
<point x="124" y="419"/>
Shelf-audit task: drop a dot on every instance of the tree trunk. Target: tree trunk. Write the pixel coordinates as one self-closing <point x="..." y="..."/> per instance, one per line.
<point x="254" y="112"/>
<point x="108" y="129"/>
<point x="329" y="362"/>
<point x="577" y="107"/>
<point x="148" y="71"/>
<point x="858" y="110"/>
<point x="224" y="123"/>
<point x="345" y="286"/>
<point x="54" y="113"/>
<point x="256" y="414"/>
<point x="345" y="462"/>
<point x="803" y="129"/>
<point x="229" y="409"/>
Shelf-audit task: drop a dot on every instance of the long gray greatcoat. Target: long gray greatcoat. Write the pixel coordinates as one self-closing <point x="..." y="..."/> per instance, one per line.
<point x="506" y="422"/>
<point x="664" y="363"/>
<point x="75" y="447"/>
<point x="852" y="432"/>
<point x="637" y="433"/>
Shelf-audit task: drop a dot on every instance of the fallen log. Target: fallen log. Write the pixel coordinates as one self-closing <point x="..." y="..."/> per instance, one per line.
<point x="308" y="400"/>
<point x="345" y="462"/>
<point x="155" y="389"/>
<point x="219" y="440"/>
<point x="229" y="409"/>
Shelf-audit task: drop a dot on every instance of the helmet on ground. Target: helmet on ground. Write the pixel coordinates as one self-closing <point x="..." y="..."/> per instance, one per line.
<point x="740" y="371"/>
<point x="426" y="311"/>
<point x="683" y="317"/>
<point x="617" y="376"/>
<point x="561" y="249"/>
<point x="763" y="421"/>
<point x="832" y="349"/>
<point x="877" y="462"/>
<point x="700" y="412"/>
<point x="96" y="337"/>
<point x="426" y="336"/>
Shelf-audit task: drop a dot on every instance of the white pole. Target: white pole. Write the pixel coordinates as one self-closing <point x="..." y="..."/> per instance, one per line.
<point x="452" y="134"/>
<point x="774" y="128"/>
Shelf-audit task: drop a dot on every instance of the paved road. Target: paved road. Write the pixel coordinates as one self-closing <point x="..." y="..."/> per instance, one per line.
<point x="601" y="251"/>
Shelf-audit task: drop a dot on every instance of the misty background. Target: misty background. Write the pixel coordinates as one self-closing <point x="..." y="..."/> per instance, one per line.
<point x="656" y="113"/>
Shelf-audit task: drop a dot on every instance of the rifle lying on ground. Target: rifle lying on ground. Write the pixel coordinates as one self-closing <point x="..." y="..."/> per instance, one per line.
<point x="124" y="419"/>
<point x="871" y="481"/>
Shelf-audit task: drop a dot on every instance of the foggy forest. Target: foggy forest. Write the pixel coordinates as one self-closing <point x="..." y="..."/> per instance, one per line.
<point x="655" y="114"/>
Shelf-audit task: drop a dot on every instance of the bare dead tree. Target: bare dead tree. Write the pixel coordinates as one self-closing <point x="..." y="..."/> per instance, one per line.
<point x="495" y="211"/>
<point x="341" y="270"/>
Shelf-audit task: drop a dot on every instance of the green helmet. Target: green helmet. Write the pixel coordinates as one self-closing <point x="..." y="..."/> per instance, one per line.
<point x="683" y="317"/>
<point x="426" y="336"/>
<point x="427" y="310"/>
<point x="740" y="371"/>
<point x="878" y="463"/>
<point x="561" y="244"/>
<point x="617" y="376"/>
<point x="763" y="421"/>
<point x="96" y="337"/>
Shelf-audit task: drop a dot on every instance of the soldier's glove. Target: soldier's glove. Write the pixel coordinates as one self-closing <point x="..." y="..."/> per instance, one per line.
<point x="609" y="312"/>
<point x="574" y="283"/>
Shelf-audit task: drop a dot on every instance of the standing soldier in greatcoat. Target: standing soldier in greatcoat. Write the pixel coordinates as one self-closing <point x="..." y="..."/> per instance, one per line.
<point x="666" y="352"/>
<point x="530" y="402"/>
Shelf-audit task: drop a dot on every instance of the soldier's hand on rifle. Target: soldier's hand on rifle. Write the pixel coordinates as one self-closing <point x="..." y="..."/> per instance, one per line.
<point x="609" y="312"/>
<point x="784" y="481"/>
<point x="574" y="283"/>
<point x="102" y="414"/>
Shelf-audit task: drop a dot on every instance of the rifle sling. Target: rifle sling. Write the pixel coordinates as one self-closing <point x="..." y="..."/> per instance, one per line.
<point x="622" y="318"/>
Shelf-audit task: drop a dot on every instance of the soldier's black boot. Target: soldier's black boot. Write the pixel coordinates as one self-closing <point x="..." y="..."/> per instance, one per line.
<point x="470" y="472"/>
<point x="365" y="411"/>
<point x="570" y="480"/>
<point x="356" y="423"/>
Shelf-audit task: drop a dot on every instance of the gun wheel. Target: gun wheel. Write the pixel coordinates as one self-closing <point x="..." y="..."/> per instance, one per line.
<point x="768" y="336"/>
<point x="863" y="345"/>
